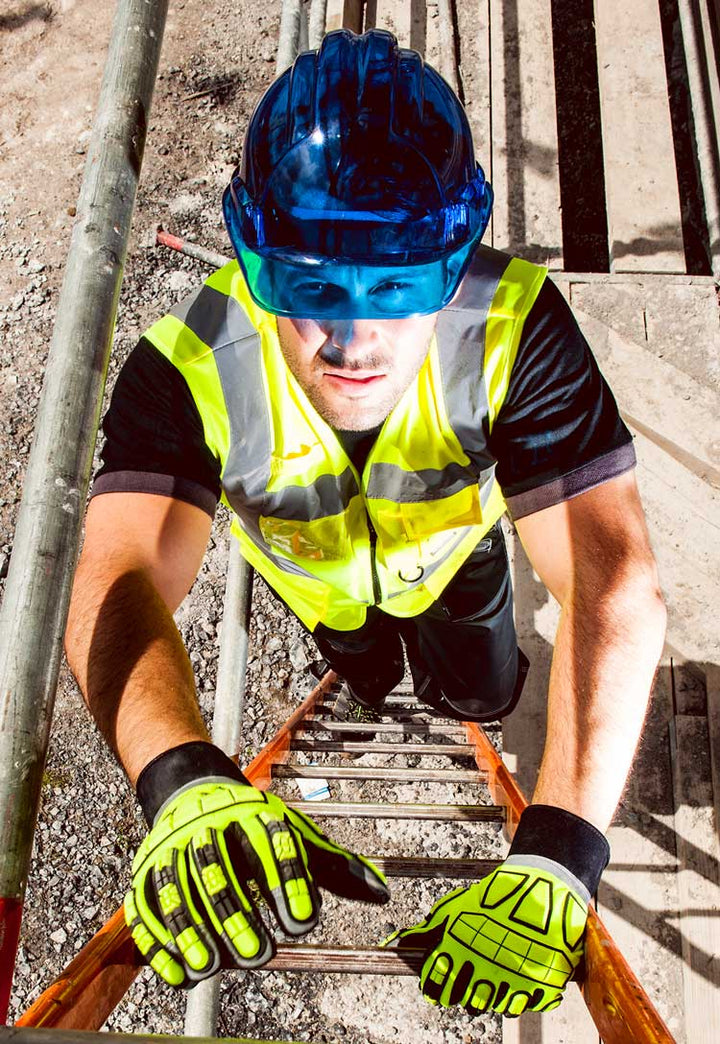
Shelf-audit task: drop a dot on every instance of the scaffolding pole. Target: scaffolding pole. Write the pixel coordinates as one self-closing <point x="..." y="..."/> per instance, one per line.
<point x="34" y="610"/>
<point x="202" y="1006"/>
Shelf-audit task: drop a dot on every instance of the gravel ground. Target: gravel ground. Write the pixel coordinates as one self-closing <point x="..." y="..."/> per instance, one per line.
<point x="89" y="826"/>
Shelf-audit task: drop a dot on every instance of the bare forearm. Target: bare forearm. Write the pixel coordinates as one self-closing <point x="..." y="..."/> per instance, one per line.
<point x="606" y="652"/>
<point x="131" y="665"/>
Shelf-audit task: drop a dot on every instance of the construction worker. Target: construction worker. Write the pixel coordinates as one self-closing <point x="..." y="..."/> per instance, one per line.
<point x="369" y="389"/>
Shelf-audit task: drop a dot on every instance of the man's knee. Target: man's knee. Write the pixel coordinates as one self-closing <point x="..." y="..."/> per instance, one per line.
<point x="488" y="698"/>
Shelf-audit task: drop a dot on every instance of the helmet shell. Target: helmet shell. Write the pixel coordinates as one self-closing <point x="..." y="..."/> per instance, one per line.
<point x="360" y="153"/>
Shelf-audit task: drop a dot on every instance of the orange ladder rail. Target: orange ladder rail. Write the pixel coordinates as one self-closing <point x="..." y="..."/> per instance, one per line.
<point x="91" y="986"/>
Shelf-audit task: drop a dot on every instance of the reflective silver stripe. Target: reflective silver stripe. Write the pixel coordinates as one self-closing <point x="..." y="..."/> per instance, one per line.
<point x="389" y="482"/>
<point x="220" y="322"/>
<point x="461" y="349"/>
<point x="327" y="495"/>
<point x="214" y="317"/>
<point x="535" y="862"/>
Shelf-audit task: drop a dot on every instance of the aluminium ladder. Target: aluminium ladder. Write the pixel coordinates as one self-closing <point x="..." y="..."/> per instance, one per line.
<point x="82" y="997"/>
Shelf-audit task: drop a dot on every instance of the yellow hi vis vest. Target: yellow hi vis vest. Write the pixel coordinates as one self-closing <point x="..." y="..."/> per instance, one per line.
<point x="330" y="541"/>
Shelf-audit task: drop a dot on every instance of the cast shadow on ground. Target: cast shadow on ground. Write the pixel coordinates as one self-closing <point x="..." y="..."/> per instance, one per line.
<point x="29" y="13"/>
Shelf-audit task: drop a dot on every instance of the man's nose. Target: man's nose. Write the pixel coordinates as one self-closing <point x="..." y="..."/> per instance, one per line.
<point x="353" y="335"/>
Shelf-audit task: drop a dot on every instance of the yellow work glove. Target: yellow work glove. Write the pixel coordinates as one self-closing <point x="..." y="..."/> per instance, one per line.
<point x="218" y="845"/>
<point x="511" y="942"/>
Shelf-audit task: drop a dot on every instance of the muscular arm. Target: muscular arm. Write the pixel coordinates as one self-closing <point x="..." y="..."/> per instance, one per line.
<point x="140" y="557"/>
<point x="593" y="554"/>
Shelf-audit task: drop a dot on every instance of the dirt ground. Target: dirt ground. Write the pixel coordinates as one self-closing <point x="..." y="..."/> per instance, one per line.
<point x="216" y="60"/>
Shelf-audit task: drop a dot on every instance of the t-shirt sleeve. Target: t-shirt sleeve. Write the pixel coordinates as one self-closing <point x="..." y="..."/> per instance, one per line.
<point x="559" y="432"/>
<point x="154" y="437"/>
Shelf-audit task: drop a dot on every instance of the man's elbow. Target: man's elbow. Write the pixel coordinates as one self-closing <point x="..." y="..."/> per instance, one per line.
<point x="633" y="590"/>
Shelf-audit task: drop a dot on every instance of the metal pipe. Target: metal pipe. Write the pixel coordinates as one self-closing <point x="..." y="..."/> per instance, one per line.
<point x="289" y="35"/>
<point x="13" y="1035"/>
<point x="316" y="29"/>
<point x="203" y="1002"/>
<point x="200" y="253"/>
<point x="304" y="31"/>
<point x="704" y="86"/>
<point x="232" y="664"/>
<point x="34" y="611"/>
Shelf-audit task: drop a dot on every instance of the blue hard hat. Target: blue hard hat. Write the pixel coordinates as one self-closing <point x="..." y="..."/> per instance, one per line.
<point x="358" y="195"/>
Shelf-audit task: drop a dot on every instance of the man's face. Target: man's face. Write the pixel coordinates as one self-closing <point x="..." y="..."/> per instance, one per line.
<point x="355" y="371"/>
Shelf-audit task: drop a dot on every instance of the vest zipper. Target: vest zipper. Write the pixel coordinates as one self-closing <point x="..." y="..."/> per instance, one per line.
<point x="377" y="593"/>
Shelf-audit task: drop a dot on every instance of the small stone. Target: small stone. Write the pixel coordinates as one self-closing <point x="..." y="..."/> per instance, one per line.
<point x="59" y="936"/>
<point x="298" y="655"/>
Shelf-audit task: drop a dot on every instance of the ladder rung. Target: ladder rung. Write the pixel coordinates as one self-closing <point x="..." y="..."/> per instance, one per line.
<point x="419" y="728"/>
<point x="415" y="866"/>
<point x="397" y="810"/>
<point x="464" y="750"/>
<point x="397" y="775"/>
<point x="396" y="710"/>
<point x="368" y="960"/>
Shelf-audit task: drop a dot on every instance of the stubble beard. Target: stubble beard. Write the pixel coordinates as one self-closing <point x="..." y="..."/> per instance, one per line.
<point x="357" y="414"/>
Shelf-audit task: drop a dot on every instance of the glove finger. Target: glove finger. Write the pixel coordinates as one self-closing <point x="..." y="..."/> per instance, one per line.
<point x="518" y="1002"/>
<point x="181" y="916"/>
<point x="480" y="997"/>
<point x="232" y="913"/>
<point x="341" y="871"/>
<point x="276" y="855"/>
<point x="149" y="941"/>
<point x="437" y="976"/>
<point x="458" y="984"/>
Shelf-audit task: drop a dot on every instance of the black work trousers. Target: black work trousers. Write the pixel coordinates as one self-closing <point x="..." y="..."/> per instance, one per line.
<point x="462" y="651"/>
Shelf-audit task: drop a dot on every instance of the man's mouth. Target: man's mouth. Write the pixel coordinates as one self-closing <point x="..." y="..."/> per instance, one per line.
<point x="355" y="381"/>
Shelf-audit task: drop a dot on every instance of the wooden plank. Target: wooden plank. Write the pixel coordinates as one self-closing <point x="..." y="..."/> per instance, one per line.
<point x="644" y="224"/>
<point x="638" y="898"/>
<point x="665" y="315"/>
<point x="347" y="14"/>
<point x="527" y="217"/>
<point x="571" y="1023"/>
<point x="654" y="391"/>
<point x="712" y="676"/>
<point x="698" y="878"/>
<point x="473" y="42"/>
<point x="405" y="18"/>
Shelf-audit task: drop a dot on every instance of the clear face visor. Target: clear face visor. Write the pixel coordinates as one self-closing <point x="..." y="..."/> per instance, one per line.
<point x="311" y="288"/>
<point x="339" y="291"/>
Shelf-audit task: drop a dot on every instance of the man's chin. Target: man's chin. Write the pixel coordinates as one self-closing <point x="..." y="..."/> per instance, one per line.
<point x="352" y="415"/>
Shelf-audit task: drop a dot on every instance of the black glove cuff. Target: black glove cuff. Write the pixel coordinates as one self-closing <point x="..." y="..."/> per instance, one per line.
<point x="177" y="767"/>
<point x="567" y="839"/>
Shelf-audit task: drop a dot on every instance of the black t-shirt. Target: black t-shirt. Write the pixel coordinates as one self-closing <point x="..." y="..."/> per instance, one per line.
<point x="558" y="432"/>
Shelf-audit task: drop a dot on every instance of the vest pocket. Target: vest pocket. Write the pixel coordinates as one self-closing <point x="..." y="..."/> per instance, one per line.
<point x="432" y="518"/>
<point x="322" y="540"/>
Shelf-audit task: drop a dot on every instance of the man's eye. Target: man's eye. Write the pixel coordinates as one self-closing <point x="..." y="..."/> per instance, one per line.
<point x="390" y="286"/>
<point x="312" y="288"/>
